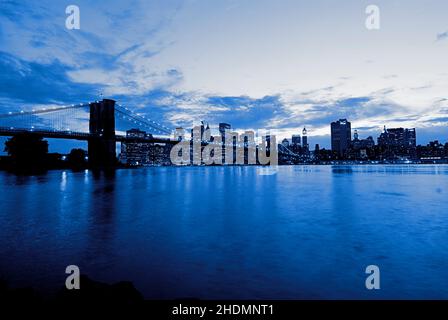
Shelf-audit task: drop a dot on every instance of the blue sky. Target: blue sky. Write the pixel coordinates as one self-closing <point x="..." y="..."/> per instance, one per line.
<point x="278" y="65"/>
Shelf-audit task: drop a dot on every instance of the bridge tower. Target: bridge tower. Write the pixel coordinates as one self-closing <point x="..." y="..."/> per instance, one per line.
<point x="102" y="146"/>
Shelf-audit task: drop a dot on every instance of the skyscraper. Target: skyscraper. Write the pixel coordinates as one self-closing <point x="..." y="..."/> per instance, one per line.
<point x="398" y="137"/>
<point x="341" y="132"/>
<point x="355" y="135"/>
<point x="135" y="152"/>
<point x="304" y="138"/>
<point x="398" y="142"/>
<point x="296" y="140"/>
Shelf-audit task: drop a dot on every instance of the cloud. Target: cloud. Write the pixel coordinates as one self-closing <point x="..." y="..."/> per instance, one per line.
<point x="390" y="76"/>
<point x="438" y="120"/>
<point x="442" y="36"/>
<point x="188" y="108"/>
<point x="17" y="11"/>
<point x="36" y="83"/>
<point x="35" y="31"/>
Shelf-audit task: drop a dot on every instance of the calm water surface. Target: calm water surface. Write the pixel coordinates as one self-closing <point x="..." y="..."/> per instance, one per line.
<point x="231" y="232"/>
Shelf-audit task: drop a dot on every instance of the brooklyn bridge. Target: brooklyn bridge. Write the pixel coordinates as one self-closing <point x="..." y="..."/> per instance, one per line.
<point x="94" y="122"/>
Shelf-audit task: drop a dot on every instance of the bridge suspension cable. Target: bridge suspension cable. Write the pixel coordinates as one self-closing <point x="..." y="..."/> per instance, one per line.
<point x="74" y="118"/>
<point x="285" y="150"/>
<point x="143" y="121"/>
<point x="41" y="111"/>
<point x="57" y="118"/>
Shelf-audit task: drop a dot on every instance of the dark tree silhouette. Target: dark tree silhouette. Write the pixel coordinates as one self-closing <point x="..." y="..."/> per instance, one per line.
<point x="77" y="158"/>
<point x="28" y="153"/>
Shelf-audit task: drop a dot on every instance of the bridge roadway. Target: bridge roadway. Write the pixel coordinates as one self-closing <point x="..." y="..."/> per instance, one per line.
<point x="72" y="135"/>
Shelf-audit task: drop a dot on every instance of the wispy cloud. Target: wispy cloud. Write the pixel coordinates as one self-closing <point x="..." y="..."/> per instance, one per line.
<point x="38" y="83"/>
<point x="442" y="120"/>
<point x="442" y="36"/>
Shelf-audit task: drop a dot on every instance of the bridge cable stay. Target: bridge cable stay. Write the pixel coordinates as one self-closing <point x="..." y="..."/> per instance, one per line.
<point x="49" y="118"/>
<point x="142" y="121"/>
<point x="73" y="120"/>
<point x="285" y="150"/>
<point x="49" y="122"/>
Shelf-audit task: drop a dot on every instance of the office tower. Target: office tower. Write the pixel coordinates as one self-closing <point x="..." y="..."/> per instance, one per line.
<point x="304" y="138"/>
<point x="355" y="135"/>
<point x="135" y="153"/>
<point x="296" y="141"/>
<point x="285" y="143"/>
<point x="398" y="142"/>
<point x="398" y="137"/>
<point x="341" y="132"/>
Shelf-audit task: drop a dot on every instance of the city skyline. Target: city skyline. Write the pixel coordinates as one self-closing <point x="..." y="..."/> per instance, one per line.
<point x="341" y="137"/>
<point x="187" y="62"/>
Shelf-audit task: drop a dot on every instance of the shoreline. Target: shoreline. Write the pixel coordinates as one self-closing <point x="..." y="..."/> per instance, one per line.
<point x="341" y="163"/>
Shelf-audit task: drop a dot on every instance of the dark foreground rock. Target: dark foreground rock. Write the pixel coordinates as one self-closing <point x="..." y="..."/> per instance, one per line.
<point x="91" y="292"/>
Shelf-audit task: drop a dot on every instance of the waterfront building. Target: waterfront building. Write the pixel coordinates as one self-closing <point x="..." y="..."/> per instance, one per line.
<point x="296" y="140"/>
<point x="434" y="151"/>
<point x="341" y="133"/>
<point x="362" y="143"/>
<point x="398" y="143"/>
<point x="135" y="153"/>
<point x="398" y="137"/>
<point x="305" y="139"/>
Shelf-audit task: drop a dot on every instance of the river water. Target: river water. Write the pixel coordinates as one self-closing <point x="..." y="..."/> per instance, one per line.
<point x="300" y="232"/>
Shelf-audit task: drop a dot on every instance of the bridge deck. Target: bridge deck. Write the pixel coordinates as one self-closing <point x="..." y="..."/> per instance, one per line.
<point x="71" y="135"/>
